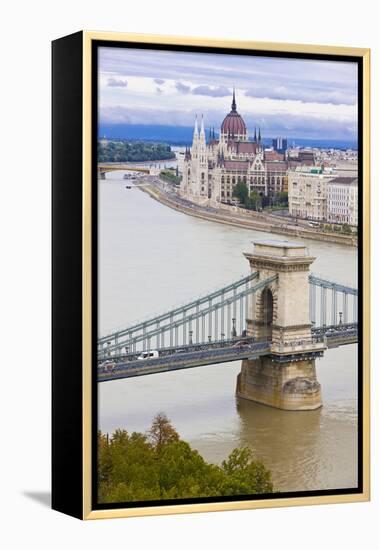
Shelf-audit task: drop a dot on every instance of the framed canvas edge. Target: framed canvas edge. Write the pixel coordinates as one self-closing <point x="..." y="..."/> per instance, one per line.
<point x="364" y="496"/>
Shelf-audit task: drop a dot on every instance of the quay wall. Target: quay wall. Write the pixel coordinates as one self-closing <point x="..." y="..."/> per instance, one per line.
<point x="235" y="219"/>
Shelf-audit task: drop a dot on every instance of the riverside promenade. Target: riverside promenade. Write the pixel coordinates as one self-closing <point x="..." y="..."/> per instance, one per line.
<point x="249" y="220"/>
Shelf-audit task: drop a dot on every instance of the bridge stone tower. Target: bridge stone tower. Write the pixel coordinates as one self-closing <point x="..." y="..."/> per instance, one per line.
<point x="286" y="378"/>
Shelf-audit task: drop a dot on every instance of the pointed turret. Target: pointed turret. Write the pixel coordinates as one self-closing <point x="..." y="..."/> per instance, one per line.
<point x="202" y="130"/>
<point x="234" y="104"/>
<point x="196" y="130"/>
<point x="259" y="135"/>
<point x="255" y="135"/>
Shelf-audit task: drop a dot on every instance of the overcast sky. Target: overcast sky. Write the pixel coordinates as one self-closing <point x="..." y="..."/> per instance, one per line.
<point x="293" y="98"/>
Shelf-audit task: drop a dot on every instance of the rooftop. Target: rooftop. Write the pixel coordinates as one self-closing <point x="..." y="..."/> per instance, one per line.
<point x="345" y="180"/>
<point x="278" y="243"/>
<point x="271" y="248"/>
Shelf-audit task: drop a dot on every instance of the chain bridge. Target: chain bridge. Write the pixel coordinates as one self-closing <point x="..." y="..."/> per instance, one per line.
<point x="104" y="168"/>
<point x="278" y="320"/>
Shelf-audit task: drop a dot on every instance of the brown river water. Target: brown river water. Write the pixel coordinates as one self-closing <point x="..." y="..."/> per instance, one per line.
<point x="152" y="258"/>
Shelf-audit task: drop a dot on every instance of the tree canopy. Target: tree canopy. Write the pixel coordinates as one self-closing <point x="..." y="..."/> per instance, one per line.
<point x="251" y="201"/>
<point x="159" y="465"/>
<point x="132" y="151"/>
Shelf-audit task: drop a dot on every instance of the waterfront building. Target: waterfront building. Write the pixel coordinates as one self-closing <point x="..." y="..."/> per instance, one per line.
<point x="213" y="167"/>
<point x="342" y="200"/>
<point x="324" y="194"/>
<point x="307" y="192"/>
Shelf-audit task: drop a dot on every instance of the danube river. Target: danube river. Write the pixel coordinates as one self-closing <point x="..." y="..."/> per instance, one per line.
<point x="151" y="258"/>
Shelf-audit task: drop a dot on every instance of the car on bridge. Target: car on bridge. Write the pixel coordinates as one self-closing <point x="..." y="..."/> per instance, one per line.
<point x="242" y="344"/>
<point x="107" y="366"/>
<point x="148" y="355"/>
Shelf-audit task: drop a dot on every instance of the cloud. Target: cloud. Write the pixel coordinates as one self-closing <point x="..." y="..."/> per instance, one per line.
<point x="117" y="83"/>
<point x="220" y="91"/>
<point x="245" y="71"/>
<point x="286" y="125"/>
<point x="305" y="94"/>
<point x="182" y="88"/>
<point x="289" y="97"/>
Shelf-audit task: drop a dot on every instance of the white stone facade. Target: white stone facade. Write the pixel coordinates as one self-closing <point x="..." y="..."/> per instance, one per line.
<point x="323" y="195"/>
<point x="307" y="193"/>
<point x="212" y="168"/>
<point x="342" y="200"/>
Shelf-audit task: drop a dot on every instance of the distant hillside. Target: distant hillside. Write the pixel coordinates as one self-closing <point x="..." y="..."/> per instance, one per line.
<point x="132" y="151"/>
<point x="170" y="134"/>
<point x="182" y="135"/>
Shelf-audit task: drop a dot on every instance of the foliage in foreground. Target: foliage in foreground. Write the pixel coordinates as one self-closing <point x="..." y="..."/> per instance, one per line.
<point x="159" y="465"/>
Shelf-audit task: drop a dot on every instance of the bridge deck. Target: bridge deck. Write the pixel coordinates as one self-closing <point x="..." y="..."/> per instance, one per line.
<point x="171" y="359"/>
<point x="184" y="361"/>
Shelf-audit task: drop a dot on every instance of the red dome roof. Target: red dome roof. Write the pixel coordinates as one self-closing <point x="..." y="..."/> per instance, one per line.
<point x="233" y="123"/>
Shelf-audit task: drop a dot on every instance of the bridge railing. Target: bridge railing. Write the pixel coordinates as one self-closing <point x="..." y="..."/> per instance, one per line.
<point x="176" y="317"/>
<point x="224" y="314"/>
<point x="216" y="320"/>
<point x="331" y="303"/>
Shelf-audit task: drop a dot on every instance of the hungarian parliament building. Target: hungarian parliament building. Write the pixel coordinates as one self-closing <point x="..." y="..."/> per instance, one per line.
<point x="212" y="167"/>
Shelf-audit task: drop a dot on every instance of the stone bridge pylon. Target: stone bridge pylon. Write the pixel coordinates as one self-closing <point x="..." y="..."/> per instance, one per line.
<point x="286" y="378"/>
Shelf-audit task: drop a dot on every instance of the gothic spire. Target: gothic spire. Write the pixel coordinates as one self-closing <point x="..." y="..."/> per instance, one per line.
<point x="259" y="135"/>
<point x="202" y="131"/>
<point x="255" y="135"/>
<point x="196" y="129"/>
<point x="234" y="104"/>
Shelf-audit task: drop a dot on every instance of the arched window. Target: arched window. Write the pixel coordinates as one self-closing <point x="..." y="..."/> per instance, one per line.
<point x="267" y="313"/>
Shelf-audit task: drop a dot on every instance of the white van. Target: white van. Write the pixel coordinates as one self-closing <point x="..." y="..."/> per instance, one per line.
<point x="148" y="355"/>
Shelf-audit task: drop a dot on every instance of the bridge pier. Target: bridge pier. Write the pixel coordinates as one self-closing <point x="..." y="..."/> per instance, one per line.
<point x="286" y="378"/>
<point x="291" y="386"/>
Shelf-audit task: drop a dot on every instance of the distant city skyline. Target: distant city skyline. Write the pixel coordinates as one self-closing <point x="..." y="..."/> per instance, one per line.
<point x="286" y="97"/>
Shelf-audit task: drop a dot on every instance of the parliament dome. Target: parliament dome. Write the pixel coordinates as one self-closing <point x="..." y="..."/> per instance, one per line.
<point x="233" y="124"/>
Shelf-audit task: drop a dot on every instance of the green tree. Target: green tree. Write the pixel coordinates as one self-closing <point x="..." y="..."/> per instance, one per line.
<point x="132" y="151"/>
<point x="162" y="431"/>
<point x="244" y="474"/>
<point x="159" y="465"/>
<point x="346" y="228"/>
<point x="241" y="192"/>
<point x="256" y="200"/>
<point x="281" y="198"/>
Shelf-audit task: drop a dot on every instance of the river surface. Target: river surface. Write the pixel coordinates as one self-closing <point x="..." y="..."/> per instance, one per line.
<point x="151" y="258"/>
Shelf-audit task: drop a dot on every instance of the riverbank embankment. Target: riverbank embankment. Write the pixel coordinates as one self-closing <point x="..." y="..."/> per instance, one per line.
<point x="230" y="218"/>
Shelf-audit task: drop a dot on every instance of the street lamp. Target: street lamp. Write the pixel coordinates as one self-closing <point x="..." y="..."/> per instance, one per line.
<point x="234" y="332"/>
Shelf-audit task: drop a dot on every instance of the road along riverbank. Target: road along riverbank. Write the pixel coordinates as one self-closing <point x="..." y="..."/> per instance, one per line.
<point x="230" y="218"/>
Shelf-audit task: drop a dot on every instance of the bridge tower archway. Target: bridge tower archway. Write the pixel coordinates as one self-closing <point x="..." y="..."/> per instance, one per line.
<point x="264" y="313"/>
<point x="281" y="310"/>
<point x="286" y="377"/>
